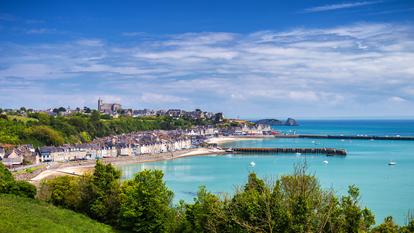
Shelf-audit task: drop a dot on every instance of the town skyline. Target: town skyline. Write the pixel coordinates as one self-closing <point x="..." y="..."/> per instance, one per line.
<point x="321" y="59"/>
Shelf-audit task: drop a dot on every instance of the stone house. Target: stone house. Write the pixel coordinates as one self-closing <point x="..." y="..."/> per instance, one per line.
<point x="13" y="157"/>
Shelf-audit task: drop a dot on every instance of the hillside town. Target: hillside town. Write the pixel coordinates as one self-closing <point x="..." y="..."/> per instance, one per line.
<point x="132" y="144"/>
<point x="115" y="110"/>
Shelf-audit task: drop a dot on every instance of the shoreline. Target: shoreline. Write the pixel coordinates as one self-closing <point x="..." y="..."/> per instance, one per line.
<point x="79" y="168"/>
<point x="82" y="167"/>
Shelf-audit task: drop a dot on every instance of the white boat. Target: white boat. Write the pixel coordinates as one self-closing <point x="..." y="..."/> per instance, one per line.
<point x="229" y="150"/>
<point x="325" y="162"/>
<point x="391" y="163"/>
<point x="298" y="153"/>
<point x="252" y="164"/>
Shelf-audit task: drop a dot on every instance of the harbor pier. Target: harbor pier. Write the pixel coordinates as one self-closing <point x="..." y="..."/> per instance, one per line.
<point x="325" y="151"/>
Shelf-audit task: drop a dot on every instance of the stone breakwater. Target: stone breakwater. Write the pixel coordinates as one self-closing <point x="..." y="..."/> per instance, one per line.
<point x="326" y="151"/>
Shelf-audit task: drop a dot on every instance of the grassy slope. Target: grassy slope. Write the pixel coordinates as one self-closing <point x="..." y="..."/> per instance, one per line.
<point x="27" y="215"/>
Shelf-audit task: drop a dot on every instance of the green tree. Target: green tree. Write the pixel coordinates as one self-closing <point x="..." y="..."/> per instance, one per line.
<point x="388" y="226"/>
<point x="104" y="203"/>
<point x="44" y="135"/>
<point x="11" y="186"/>
<point x="409" y="228"/>
<point x="6" y="178"/>
<point x="85" y="137"/>
<point x="205" y="215"/>
<point x="146" y="203"/>
<point x="355" y="218"/>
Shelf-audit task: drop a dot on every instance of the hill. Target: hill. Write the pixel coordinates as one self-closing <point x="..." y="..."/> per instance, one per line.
<point x="40" y="129"/>
<point x="18" y="214"/>
<point x="288" y="122"/>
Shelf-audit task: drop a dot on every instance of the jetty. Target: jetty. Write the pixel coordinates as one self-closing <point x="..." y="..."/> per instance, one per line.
<point x="325" y="151"/>
<point x="347" y="137"/>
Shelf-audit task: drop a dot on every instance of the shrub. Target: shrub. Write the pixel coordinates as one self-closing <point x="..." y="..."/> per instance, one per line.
<point x="11" y="186"/>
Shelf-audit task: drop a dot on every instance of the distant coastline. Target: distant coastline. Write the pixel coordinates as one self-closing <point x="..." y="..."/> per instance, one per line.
<point x="276" y="122"/>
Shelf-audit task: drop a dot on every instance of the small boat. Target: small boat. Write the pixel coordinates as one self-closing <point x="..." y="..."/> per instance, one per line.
<point x="252" y="164"/>
<point x="229" y="150"/>
<point x="392" y="163"/>
<point x="298" y="153"/>
<point x="325" y="162"/>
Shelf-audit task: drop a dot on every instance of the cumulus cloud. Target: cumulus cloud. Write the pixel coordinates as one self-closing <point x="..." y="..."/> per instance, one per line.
<point x="344" y="67"/>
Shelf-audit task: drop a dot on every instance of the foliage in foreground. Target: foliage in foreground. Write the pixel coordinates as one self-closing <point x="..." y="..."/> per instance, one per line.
<point x="9" y="185"/>
<point x="18" y="214"/>
<point x="294" y="203"/>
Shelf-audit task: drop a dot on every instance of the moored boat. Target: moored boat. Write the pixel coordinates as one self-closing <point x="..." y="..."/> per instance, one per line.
<point x="391" y="163"/>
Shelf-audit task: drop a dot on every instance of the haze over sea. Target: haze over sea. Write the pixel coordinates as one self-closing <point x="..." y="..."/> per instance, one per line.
<point x="386" y="190"/>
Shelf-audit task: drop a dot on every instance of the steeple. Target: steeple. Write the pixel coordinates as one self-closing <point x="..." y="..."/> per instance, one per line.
<point x="100" y="102"/>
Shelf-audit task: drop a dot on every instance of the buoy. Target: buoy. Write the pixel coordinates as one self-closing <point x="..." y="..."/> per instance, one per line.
<point x="252" y="164"/>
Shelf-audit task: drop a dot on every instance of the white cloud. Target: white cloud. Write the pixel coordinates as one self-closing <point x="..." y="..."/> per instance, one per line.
<point x="40" y="31"/>
<point x="90" y="42"/>
<point x="397" y="99"/>
<point x="134" y="34"/>
<point x="29" y="71"/>
<point x="340" y="6"/>
<point x="156" y="98"/>
<point x="205" y="38"/>
<point x="351" y="65"/>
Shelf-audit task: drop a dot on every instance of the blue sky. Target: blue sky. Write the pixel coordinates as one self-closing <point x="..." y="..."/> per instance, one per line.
<point x="305" y="59"/>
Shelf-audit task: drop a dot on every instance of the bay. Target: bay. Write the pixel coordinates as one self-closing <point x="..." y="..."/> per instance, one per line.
<point x="386" y="190"/>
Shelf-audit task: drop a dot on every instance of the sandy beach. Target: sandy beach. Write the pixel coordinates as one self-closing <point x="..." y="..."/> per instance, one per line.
<point x="80" y="168"/>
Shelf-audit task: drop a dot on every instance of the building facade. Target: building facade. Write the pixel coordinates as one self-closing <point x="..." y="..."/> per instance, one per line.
<point x="108" y="108"/>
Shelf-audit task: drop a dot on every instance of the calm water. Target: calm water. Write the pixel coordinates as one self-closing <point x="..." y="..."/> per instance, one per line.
<point x="387" y="190"/>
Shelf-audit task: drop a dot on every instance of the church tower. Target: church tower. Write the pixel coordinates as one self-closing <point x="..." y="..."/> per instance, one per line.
<point x="100" y="102"/>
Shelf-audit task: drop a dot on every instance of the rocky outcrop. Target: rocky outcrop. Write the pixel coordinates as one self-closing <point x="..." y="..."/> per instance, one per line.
<point x="291" y="122"/>
<point x="288" y="122"/>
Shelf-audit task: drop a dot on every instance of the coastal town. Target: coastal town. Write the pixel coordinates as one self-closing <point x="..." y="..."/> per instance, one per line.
<point x="134" y="144"/>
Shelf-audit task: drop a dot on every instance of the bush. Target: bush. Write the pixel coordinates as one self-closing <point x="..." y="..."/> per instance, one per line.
<point x="10" y="186"/>
<point x="61" y="191"/>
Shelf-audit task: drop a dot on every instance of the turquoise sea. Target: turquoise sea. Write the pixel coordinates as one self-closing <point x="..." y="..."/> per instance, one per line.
<point x="387" y="190"/>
